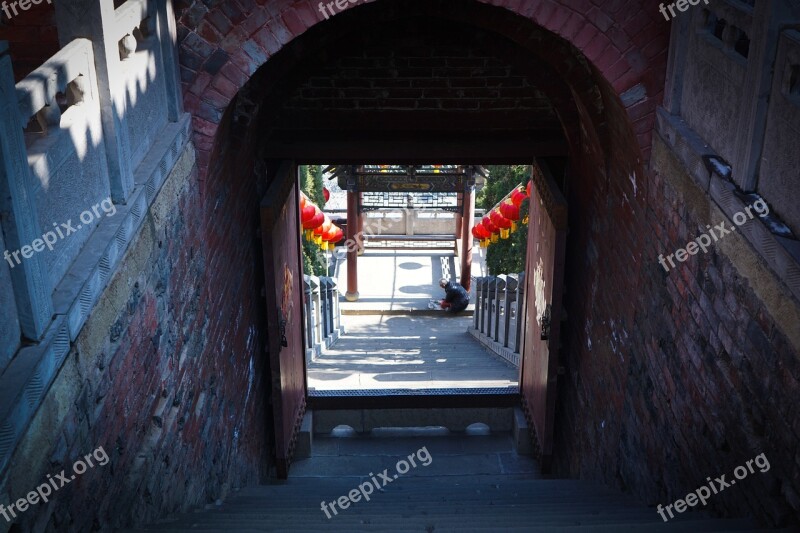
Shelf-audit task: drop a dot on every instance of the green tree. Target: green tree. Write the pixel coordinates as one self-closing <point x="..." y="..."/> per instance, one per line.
<point x="506" y="256"/>
<point x="314" y="261"/>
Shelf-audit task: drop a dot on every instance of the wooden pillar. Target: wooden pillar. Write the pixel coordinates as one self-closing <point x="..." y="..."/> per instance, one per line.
<point x="360" y="214"/>
<point x="466" y="237"/>
<point x="459" y="217"/>
<point x="352" y="247"/>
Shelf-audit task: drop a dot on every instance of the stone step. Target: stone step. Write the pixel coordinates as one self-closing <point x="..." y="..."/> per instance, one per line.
<point x="466" y="486"/>
<point x="454" y="419"/>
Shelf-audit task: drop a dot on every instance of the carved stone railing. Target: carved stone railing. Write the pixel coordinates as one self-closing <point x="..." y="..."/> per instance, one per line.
<point x="323" y="324"/>
<point x="65" y="136"/>
<point x="499" y="320"/>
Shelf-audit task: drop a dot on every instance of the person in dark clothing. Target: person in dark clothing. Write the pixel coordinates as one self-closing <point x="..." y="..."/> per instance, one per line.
<point x="456" y="297"/>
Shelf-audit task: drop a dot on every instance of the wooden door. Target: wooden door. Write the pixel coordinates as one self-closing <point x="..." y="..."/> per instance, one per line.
<point x="544" y="278"/>
<point x="283" y="274"/>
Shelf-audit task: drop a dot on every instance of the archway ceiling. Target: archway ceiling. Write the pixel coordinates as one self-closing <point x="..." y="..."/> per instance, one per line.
<point x="447" y="89"/>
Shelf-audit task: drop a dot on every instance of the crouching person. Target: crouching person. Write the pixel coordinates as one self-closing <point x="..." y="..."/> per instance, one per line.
<point x="456" y="297"/>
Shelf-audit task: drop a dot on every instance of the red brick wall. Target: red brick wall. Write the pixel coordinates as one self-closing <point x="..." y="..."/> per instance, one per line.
<point x="631" y="408"/>
<point x="178" y="393"/>
<point x="32" y="37"/>
<point x="670" y="378"/>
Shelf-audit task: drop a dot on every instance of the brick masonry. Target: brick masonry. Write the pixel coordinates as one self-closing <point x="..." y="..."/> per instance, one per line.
<point x="666" y="375"/>
<point x="168" y="375"/>
<point x="222" y="45"/>
<point x="672" y="378"/>
<point x="32" y="37"/>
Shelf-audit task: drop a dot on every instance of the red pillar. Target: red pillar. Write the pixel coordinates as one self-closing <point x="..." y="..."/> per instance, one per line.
<point x="466" y="238"/>
<point x="352" y="247"/>
<point x="459" y="218"/>
<point x="360" y="224"/>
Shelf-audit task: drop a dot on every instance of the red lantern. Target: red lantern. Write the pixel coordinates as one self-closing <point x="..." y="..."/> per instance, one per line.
<point x="307" y="215"/>
<point x="303" y="201"/>
<point x="509" y="210"/>
<point x="501" y="222"/>
<point x="518" y="196"/>
<point x="338" y="236"/>
<point x="326" y="193"/>
<point x="488" y="225"/>
<point x="329" y="237"/>
<point x="320" y="230"/>
<point x="528" y="190"/>
<point x="316" y="220"/>
<point x="324" y="227"/>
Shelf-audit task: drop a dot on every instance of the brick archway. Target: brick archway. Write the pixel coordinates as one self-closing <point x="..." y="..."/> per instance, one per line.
<point x="223" y="46"/>
<point x="610" y="87"/>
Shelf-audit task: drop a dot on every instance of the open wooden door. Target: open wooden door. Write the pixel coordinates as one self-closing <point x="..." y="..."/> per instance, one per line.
<point x="547" y="234"/>
<point x="283" y="274"/>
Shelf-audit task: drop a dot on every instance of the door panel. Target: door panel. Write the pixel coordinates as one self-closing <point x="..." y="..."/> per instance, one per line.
<point x="280" y="223"/>
<point x="544" y="278"/>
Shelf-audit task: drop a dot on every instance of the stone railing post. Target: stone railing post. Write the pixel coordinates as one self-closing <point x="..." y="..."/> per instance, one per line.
<point x="519" y="310"/>
<point x="30" y="279"/>
<point x="308" y="307"/>
<point x="499" y="299"/>
<point x="512" y="284"/>
<point x="491" y="289"/>
<point x="476" y="318"/>
<point x="316" y="305"/>
<point x="97" y="21"/>
<point x="337" y="312"/>
<point x="485" y="306"/>
<point x="327" y="307"/>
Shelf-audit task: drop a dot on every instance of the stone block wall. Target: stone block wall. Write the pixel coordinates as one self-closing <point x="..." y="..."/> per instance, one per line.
<point x="672" y="377"/>
<point x="9" y="326"/>
<point x="160" y="376"/>
<point x="781" y="159"/>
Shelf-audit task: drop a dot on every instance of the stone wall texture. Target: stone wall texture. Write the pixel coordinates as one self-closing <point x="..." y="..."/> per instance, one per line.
<point x="675" y="377"/>
<point x="670" y="378"/>
<point x="168" y="376"/>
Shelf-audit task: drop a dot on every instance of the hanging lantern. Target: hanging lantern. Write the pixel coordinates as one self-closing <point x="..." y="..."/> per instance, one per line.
<point x="501" y="222"/>
<point x="326" y="194"/>
<point x="489" y="225"/>
<point x="510" y="212"/>
<point x="311" y="217"/>
<point x="528" y="189"/>
<point x="330" y="237"/>
<point x="518" y="196"/>
<point x="321" y="230"/>
<point x="481" y="233"/>
<point x="338" y="236"/>
<point x="307" y="214"/>
<point x="477" y="233"/>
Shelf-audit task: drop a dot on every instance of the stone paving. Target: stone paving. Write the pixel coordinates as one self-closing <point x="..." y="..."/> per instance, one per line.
<point x="415" y="349"/>
<point x="392" y="280"/>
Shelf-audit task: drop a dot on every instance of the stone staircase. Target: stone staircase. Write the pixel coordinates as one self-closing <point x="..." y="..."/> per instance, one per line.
<point x="470" y="483"/>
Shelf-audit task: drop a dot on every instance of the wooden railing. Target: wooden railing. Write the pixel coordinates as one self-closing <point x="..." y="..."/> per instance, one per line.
<point x="499" y="318"/>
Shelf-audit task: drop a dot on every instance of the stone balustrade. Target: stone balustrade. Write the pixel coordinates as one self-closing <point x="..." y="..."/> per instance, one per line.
<point x="322" y="314"/>
<point x="499" y="314"/>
